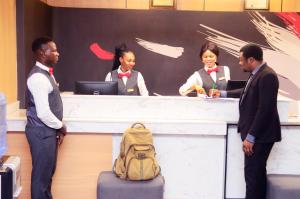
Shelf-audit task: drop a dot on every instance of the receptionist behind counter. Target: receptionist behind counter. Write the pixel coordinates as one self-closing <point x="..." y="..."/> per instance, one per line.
<point x="211" y="76"/>
<point x="130" y="82"/>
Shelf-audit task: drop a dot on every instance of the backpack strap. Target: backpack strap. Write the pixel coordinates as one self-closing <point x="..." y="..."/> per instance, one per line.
<point x="134" y="125"/>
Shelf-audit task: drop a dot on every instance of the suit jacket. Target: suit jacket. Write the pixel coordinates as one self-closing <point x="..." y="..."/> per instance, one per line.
<point x="258" y="109"/>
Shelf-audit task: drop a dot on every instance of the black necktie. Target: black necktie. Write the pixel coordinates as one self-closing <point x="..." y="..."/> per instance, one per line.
<point x="246" y="87"/>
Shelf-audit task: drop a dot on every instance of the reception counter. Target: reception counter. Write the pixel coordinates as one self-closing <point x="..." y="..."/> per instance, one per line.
<point x="197" y="146"/>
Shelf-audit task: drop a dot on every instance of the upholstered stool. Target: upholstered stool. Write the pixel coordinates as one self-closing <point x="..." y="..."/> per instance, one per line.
<point x="281" y="186"/>
<point x="111" y="187"/>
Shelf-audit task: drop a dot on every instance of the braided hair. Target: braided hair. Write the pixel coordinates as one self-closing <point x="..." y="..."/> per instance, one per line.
<point x="120" y="50"/>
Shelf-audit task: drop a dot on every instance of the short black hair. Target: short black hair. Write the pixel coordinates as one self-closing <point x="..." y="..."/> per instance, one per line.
<point x="37" y="43"/>
<point x="252" y="50"/>
<point x="209" y="46"/>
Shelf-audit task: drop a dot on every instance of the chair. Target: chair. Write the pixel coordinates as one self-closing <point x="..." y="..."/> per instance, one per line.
<point x="281" y="186"/>
<point x="111" y="187"/>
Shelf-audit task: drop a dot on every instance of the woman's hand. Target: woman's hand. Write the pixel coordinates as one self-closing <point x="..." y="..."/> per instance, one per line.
<point x="199" y="89"/>
<point x="214" y="93"/>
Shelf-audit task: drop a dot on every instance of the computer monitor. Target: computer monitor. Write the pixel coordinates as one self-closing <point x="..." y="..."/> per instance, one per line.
<point x="235" y="84"/>
<point x="96" y="88"/>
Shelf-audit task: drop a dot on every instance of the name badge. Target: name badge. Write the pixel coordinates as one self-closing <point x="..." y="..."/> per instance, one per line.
<point x="221" y="78"/>
<point x="130" y="90"/>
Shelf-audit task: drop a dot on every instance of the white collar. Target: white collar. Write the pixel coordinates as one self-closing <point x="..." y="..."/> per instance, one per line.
<point x="206" y="68"/>
<point x="42" y="66"/>
<point x="120" y="71"/>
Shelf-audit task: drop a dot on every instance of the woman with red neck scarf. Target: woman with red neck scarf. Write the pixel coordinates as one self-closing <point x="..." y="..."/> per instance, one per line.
<point x="130" y="82"/>
<point x="211" y="76"/>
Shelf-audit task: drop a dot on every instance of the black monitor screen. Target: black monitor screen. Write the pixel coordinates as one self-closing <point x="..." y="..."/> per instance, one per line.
<point x="96" y="88"/>
<point x="235" y="84"/>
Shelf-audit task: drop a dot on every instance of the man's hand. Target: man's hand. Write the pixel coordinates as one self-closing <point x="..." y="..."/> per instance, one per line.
<point x="214" y="93"/>
<point x="63" y="130"/>
<point x="248" y="147"/>
<point x="60" y="138"/>
<point x="61" y="134"/>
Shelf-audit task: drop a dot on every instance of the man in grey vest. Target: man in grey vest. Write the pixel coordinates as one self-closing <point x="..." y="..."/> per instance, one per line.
<point x="45" y="129"/>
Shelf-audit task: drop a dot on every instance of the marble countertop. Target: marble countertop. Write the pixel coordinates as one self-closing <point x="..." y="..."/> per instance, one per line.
<point x="16" y="121"/>
<point x="163" y="114"/>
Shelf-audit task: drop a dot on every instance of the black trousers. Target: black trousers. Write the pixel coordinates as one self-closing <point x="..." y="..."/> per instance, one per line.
<point x="255" y="171"/>
<point x="43" y="148"/>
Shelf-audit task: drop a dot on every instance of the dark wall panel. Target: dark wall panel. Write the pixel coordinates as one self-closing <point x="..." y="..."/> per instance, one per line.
<point x="76" y="29"/>
<point x="34" y="19"/>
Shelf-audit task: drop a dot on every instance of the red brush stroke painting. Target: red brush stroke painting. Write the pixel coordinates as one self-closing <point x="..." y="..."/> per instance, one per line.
<point x="292" y="20"/>
<point x="100" y="53"/>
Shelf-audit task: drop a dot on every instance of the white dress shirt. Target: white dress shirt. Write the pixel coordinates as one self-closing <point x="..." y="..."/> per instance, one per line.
<point x="40" y="87"/>
<point x="195" y="78"/>
<point x="140" y="82"/>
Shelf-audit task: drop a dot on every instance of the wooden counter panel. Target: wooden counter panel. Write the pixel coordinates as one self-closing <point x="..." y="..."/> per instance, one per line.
<point x="80" y="160"/>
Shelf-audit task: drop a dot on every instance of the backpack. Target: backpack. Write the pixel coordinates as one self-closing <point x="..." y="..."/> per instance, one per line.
<point x="136" y="160"/>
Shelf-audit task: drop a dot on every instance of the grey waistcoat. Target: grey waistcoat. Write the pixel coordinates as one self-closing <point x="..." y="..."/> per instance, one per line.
<point x="54" y="99"/>
<point x="208" y="81"/>
<point x="131" y="87"/>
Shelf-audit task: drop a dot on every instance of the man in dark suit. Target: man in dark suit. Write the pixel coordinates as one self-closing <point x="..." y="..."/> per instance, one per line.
<point x="44" y="129"/>
<point x="259" y="123"/>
